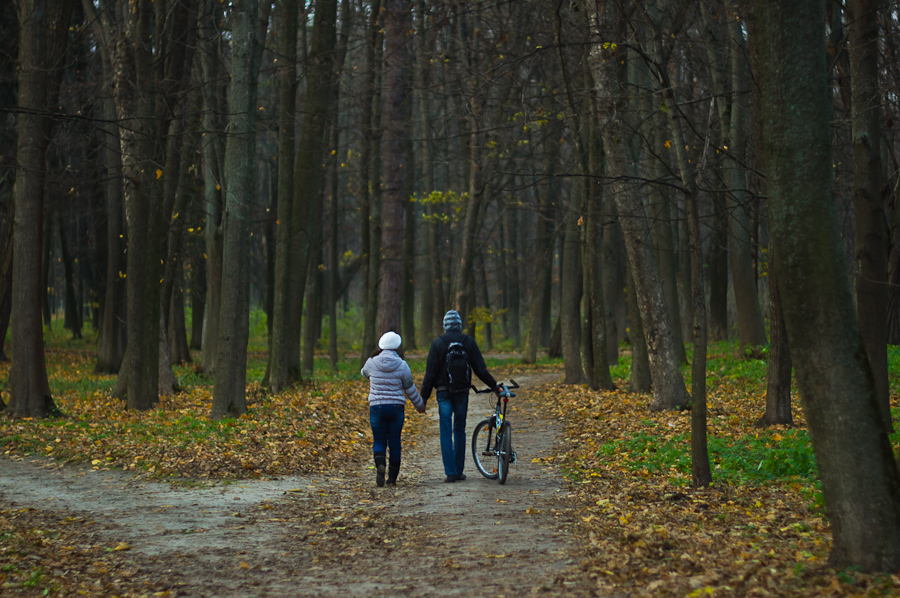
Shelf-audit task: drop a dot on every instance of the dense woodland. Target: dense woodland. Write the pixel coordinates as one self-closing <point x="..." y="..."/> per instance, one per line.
<point x="583" y="177"/>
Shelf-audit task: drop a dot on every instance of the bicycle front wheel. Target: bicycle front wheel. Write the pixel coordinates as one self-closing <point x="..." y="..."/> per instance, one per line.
<point x="505" y="443"/>
<point x="484" y="449"/>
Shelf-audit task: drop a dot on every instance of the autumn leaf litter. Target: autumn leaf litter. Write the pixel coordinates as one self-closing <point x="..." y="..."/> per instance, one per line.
<point x="633" y="528"/>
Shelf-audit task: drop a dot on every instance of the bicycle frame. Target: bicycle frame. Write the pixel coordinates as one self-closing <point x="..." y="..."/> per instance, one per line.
<point x="492" y="438"/>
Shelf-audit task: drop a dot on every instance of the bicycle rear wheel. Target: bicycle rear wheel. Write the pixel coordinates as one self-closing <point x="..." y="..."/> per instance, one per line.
<point x="484" y="449"/>
<point x="505" y="443"/>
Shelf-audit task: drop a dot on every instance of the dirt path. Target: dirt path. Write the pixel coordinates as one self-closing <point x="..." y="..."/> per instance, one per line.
<point x="340" y="536"/>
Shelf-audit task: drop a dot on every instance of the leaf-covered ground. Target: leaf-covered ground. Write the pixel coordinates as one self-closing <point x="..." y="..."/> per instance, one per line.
<point x="761" y="530"/>
<point x="642" y="531"/>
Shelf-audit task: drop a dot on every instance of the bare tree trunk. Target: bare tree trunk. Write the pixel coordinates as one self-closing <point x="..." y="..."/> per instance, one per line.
<point x="700" y="469"/>
<point x="408" y="305"/>
<point x="6" y="273"/>
<point x="370" y="210"/>
<point x="614" y="283"/>
<point x="511" y="263"/>
<point x="198" y="296"/>
<point x="751" y="329"/>
<point x="640" y="379"/>
<point x="309" y="175"/>
<point x="860" y="479"/>
<point x="43" y="25"/>
<point x="279" y="372"/>
<point x="46" y="267"/>
<point x="869" y="193"/>
<point x="312" y="312"/>
<point x="73" y="316"/>
<point x="213" y="179"/>
<point x="543" y="246"/>
<point x="669" y="391"/>
<point x="701" y="475"/>
<point x="778" y="367"/>
<point x="718" y="273"/>
<point x="234" y="315"/>
<point x="571" y="290"/>
<point x="111" y="342"/>
<point x="462" y="281"/>
<point x="594" y="311"/>
<point x="432" y="289"/>
<point x="333" y="253"/>
<point x="139" y="375"/>
<point x="661" y="210"/>
<point x="172" y="294"/>
<point x="394" y="182"/>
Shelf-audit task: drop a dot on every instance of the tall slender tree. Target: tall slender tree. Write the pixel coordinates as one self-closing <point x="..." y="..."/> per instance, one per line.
<point x="869" y="191"/>
<point x="605" y="56"/>
<point x="860" y="479"/>
<point x="43" y="25"/>
<point x="234" y="330"/>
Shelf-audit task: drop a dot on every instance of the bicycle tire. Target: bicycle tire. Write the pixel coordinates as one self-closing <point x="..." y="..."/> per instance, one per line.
<point x="505" y="451"/>
<point x="484" y="449"/>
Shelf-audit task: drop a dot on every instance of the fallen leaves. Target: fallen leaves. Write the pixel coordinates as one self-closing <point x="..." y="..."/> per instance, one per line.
<point x="646" y="532"/>
<point x="48" y="553"/>
<point x="302" y="430"/>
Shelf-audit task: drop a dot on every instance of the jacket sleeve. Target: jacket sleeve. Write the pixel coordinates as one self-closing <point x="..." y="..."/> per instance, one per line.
<point x="432" y="368"/>
<point x="409" y="387"/>
<point x="365" y="368"/>
<point x="478" y="365"/>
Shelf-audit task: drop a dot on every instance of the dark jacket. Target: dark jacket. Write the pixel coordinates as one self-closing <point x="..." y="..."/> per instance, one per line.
<point x="436" y="367"/>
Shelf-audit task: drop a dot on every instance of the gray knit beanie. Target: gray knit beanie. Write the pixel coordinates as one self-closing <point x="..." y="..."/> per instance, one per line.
<point x="452" y="321"/>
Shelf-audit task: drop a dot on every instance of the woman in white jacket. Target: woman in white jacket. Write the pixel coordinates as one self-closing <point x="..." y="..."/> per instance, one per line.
<point x="390" y="384"/>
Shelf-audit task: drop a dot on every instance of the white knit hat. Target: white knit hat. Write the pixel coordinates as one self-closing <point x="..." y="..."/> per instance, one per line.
<point x="390" y="340"/>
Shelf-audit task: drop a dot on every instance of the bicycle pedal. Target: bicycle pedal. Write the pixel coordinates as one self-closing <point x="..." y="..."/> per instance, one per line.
<point x="513" y="460"/>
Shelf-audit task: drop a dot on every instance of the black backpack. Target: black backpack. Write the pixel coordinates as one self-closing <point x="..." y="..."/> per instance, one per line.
<point x="459" y="375"/>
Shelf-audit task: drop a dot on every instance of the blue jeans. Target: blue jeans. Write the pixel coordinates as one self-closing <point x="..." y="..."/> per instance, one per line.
<point x="387" y="424"/>
<point x="452" y="410"/>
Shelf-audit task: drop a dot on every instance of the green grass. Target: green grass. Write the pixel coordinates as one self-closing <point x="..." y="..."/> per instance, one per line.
<point x="750" y="459"/>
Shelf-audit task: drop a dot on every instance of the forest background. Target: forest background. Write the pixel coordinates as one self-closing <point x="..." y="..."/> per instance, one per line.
<point x="582" y="176"/>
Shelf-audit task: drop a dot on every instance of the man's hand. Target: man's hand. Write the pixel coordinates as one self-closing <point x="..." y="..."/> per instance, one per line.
<point x="422" y="410"/>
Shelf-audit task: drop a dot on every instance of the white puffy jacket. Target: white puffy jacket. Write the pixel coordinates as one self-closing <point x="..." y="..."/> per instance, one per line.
<point x="390" y="380"/>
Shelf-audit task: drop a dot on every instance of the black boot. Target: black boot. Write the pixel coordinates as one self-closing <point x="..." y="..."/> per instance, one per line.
<point x="393" y="470"/>
<point x="379" y="469"/>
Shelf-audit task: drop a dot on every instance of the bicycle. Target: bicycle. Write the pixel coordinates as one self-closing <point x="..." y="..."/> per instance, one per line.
<point x="492" y="438"/>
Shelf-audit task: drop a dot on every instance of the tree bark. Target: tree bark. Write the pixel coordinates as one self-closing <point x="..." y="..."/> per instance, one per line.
<point x="6" y="272"/>
<point x="394" y="151"/>
<point x="594" y="310"/>
<point x="751" y="329"/>
<point x="432" y="289"/>
<point x="669" y="391"/>
<point x="701" y="475"/>
<point x="369" y="181"/>
<point x="869" y="192"/>
<point x="571" y="287"/>
<point x="778" y="367"/>
<point x="279" y="372"/>
<point x="859" y="474"/>
<point x="640" y="379"/>
<point x="43" y="25"/>
<point x="231" y="360"/>
<point x="111" y="342"/>
<point x="408" y="304"/>
<point x="73" y="314"/>
<point x="543" y="245"/>
<point x="660" y="207"/>
<point x="213" y="179"/>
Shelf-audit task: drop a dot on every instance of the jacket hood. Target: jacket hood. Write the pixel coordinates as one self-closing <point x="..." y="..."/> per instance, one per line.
<point x="387" y="361"/>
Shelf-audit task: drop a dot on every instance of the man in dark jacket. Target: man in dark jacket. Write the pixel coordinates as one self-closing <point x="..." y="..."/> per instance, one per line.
<point x="453" y="406"/>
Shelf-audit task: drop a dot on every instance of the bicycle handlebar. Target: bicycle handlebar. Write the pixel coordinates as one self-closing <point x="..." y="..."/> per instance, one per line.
<point x="512" y="385"/>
